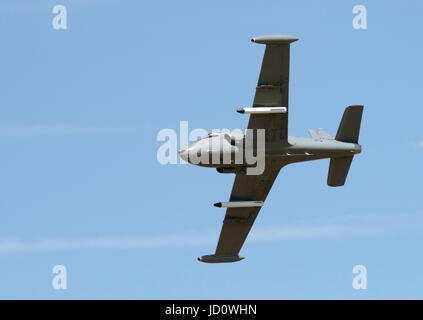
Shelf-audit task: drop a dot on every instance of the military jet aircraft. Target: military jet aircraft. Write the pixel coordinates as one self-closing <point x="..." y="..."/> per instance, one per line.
<point x="270" y="112"/>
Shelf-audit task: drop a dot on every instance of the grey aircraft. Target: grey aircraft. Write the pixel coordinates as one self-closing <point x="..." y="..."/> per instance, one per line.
<point x="270" y="112"/>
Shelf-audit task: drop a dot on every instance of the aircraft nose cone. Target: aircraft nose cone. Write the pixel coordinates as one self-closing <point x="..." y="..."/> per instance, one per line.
<point x="184" y="154"/>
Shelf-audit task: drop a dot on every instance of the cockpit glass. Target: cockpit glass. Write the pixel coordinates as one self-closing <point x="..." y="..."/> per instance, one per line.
<point x="212" y="134"/>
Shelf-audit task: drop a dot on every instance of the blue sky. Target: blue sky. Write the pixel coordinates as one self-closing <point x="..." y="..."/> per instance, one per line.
<point x="80" y="110"/>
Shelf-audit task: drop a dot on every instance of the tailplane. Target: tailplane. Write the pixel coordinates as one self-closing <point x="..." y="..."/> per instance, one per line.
<point x="320" y="134"/>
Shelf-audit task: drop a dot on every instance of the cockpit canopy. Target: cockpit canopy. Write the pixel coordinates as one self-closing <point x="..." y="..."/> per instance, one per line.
<point x="233" y="137"/>
<point x="212" y="134"/>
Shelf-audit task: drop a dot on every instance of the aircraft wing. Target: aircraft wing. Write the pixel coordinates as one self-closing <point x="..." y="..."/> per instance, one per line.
<point x="271" y="91"/>
<point x="238" y="221"/>
<point x="272" y="87"/>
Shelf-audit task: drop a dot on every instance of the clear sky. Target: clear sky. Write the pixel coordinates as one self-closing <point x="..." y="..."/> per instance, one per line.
<point x="80" y="185"/>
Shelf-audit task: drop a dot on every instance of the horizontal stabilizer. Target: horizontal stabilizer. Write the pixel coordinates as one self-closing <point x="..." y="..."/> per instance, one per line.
<point x="338" y="171"/>
<point x="215" y="258"/>
<point x="320" y="134"/>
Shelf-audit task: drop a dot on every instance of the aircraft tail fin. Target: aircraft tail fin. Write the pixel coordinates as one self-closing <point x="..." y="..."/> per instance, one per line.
<point x="338" y="171"/>
<point x="349" y="128"/>
<point x="348" y="131"/>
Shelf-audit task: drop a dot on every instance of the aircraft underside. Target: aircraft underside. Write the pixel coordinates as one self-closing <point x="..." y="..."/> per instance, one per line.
<point x="257" y="157"/>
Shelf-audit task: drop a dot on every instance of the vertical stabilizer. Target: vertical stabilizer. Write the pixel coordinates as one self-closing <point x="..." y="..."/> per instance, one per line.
<point x="349" y="128"/>
<point x="338" y="171"/>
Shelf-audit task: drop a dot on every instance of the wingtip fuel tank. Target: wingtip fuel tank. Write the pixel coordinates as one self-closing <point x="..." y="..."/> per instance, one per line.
<point x="215" y="258"/>
<point x="274" y="39"/>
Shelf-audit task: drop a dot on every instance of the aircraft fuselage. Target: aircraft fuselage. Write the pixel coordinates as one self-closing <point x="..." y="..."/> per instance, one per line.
<point x="219" y="148"/>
